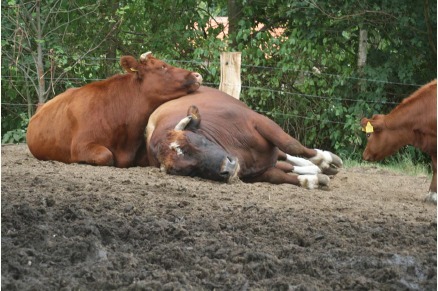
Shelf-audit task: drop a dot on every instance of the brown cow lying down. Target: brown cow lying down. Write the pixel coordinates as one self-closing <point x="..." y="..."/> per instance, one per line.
<point x="412" y="122"/>
<point x="103" y="123"/>
<point x="229" y="140"/>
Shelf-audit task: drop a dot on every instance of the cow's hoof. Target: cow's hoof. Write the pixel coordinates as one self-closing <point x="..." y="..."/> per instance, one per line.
<point x="430" y="197"/>
<point x="323" y="180"/>
<point x="328" y="162"/>
<point x="314" y="181"/>
<point x="330" y="171"/>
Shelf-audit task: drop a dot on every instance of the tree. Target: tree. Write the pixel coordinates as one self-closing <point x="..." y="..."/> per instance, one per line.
<point x="39" y="50"/>
<point x="37" y="28"/>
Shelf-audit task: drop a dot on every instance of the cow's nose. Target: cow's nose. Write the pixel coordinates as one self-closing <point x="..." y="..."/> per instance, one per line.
<point x="367" y="157"/>
<point x="229" y="167"/>
<point x="198" y="77"/>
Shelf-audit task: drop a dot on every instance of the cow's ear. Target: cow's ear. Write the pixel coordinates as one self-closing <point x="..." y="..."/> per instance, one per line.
<point x="378" y="124"/>
<point x="130" y="64"/>
<point x="375" y="124"/>
<point x="195" y="122"/>
<point x="363" y="123"/>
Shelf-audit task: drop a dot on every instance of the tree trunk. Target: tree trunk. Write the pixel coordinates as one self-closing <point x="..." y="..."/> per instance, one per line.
<point x="40" y="62"/>
<point x="362" y="59"/>
<point x="234" y="15"/>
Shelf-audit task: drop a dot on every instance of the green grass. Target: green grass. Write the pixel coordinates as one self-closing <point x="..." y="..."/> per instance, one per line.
<point x="398" y="163"/>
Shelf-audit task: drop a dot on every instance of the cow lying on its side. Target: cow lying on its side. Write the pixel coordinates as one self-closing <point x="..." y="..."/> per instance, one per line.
<point x="412" y="122"/>
<point x="229" y="140"/>
<point x="103" y="123"/>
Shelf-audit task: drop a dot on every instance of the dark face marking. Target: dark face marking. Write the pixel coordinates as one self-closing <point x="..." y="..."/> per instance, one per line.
<point x="187" y="153"/>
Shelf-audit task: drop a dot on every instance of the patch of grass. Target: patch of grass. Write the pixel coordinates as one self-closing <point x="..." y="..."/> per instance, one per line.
<point x="398" y="163"/>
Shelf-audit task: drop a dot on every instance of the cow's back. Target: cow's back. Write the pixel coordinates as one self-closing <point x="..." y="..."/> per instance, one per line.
<point x="86" y="114"/>
<point x="48" y="129"/>
<point x="215" y="107"/>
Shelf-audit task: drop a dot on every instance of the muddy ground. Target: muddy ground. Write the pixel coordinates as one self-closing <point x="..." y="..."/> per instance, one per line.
<point x="79" y="227"/>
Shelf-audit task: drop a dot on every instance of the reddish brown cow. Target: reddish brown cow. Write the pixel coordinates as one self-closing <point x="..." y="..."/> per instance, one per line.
<point x="230" y="140"/>
<point x="102" y="123"/>
<point x="412" y="122"/>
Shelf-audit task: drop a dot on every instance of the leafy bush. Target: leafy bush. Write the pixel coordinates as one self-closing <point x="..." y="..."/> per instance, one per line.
<point x="17" y="135"/>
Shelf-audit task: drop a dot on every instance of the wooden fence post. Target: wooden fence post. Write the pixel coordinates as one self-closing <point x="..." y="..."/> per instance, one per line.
<point x="230" y="73"/>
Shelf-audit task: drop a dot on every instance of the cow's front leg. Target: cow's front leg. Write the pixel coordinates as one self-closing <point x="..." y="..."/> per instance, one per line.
<point x="302" y="166"/>
<point x="93" y="154"/>
<point x="328" y="162"/>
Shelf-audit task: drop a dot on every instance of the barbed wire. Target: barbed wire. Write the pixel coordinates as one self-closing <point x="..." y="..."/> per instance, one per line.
<point x="210" y="63"/>
<point x="19" y="79"/>
<point x="319" y="97"/>
<point x="278" y="92"/>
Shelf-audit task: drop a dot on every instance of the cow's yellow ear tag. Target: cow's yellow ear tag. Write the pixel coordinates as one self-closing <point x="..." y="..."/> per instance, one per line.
<point x="369" y="128"/>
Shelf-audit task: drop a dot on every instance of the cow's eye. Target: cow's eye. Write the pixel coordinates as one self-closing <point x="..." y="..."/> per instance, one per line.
<point x="368" y="135"/>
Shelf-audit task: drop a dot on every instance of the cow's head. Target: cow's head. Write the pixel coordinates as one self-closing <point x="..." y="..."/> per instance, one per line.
<point x="381" y="141"/>
<point x="161" y="79"/>
<point x="185" y="152"/>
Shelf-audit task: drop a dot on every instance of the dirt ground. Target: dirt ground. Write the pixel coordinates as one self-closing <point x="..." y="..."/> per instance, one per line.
<point x="80" y="227"/>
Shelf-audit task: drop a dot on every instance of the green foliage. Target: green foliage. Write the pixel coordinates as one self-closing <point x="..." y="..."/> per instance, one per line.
<point x="17" y="135"/>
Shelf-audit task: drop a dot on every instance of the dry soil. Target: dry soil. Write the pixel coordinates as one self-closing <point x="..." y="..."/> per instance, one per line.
<point x="80" y="227"/>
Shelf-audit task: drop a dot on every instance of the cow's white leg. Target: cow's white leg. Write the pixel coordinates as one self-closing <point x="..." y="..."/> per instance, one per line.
<point x="307" y="170"/>
<point x="328" y="162"/>
<point x="313" y="181"/>
<point x="296" y="161"/>
<point x="302" y="166"/>
<point x="431" y="197"/>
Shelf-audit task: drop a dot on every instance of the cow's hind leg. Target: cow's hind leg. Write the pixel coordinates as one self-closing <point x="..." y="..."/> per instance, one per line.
<point x="328" y="162"/>
<point x="304" y="168"/>
<point x="431" y="196"/>
<point x="276" y="175"/>
<point x="92" y="153"/>
<point x="321" y="161"/>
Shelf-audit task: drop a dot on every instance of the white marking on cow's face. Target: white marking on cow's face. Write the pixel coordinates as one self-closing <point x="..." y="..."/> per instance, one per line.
<point x="175" y="146"/>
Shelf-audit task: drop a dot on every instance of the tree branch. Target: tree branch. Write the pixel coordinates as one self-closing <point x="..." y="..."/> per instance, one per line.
<point x="348" y="16"/>
<point x="86" y="53"/>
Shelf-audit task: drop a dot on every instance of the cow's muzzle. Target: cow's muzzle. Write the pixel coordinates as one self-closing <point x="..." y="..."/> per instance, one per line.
<point x="198" y="78"/>
<point x="193" y="82"/>
<point x="367" y="156"/>
<point x="229" y="169"/>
